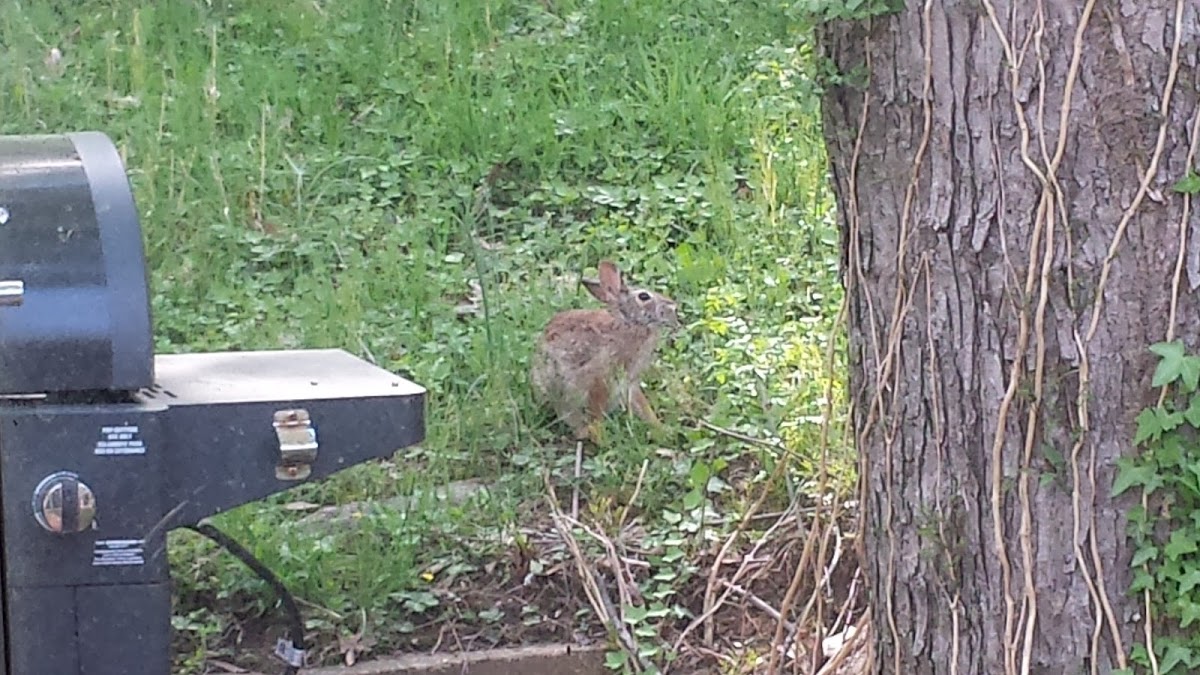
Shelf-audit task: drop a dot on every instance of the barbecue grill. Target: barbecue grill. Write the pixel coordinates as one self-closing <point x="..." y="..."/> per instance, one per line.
<point x="105" y="446"/>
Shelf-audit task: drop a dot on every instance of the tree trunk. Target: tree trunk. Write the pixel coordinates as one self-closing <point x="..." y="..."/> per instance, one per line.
<point x="1012" y="245"/>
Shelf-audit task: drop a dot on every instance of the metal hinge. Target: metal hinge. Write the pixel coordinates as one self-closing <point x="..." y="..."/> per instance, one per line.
<point x="12" y="293"/>
<point x="297" y="444"/>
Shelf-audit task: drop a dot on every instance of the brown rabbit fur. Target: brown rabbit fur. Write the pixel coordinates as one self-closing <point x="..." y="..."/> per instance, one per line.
<point x="589" y="361"/>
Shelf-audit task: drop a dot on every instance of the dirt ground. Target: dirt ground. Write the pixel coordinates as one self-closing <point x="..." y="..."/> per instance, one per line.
<point x="743" y="626"/>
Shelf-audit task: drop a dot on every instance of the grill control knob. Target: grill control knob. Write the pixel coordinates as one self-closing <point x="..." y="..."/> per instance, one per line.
<point x="63" y="504"/>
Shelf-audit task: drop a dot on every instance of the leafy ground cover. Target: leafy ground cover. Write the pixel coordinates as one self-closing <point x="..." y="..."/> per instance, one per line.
<point x="422" y="183"/>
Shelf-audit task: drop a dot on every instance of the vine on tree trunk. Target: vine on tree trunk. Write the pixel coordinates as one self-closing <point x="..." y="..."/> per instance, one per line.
<point x="1167" y="538"/>
<point x="1166" y="557"/>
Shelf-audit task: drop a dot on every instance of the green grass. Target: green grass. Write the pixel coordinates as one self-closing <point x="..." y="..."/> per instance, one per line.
<point x="421" y="183"/>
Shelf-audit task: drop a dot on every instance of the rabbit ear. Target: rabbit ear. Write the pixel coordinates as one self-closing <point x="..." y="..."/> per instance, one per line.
<point x="594" y="287"/>
<point x="610" y="277"/>
<point x="608" y="286"/>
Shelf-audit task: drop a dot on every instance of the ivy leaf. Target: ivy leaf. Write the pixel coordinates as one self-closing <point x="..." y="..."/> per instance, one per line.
<point x="1169" y="452"/>
<point x="1191" y="372"/>
<point x="1129" y="475"/>
<point x="1153" y="483"/>
<point x="635" y="614"/>
<point x="1147" y="427"/>
<point x="1171" y="366"/>
<point x="615" y="660"/>
<point x="1142" y="581"/>
<point x="1138" y="525"/>
<point x="1189" y="581"/>
<point x="1193" y="485"/>
<point x="1176" y="654"/>
<point x="1053" y="456"/>
<point x="1170" y="570"/>
<point x="699" y="475"/>
<point x="1189" y="613"/>
<point x="1189" y="184"/>
<point x="1139" y="655"/>
<point x="1192" y="414"/>
<point x="1179" y="545"/>
<point x="1167" y="421"/>
<point x="1144" y="555"/>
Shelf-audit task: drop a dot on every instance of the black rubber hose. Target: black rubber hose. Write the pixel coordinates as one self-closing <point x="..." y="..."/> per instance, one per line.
<point x="285" y="596"/>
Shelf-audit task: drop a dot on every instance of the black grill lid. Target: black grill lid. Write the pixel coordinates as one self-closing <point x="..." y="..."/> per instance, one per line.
<point x="74" y="304"/>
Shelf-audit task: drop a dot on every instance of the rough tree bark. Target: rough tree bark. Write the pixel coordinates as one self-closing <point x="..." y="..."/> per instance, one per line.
<point x="1011" y="248"/>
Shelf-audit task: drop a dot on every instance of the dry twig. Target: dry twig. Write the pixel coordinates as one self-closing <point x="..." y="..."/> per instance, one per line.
<point x="637" y="490"/>
<point x="759" y="603"/>
<point x="712" y="607"/>
<point x="578" y="477"/>
<point x="770" y="445"/>
<point x="592" y="585"/>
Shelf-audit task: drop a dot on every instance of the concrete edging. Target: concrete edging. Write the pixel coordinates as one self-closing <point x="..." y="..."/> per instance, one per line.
<point x="557" y="659"/>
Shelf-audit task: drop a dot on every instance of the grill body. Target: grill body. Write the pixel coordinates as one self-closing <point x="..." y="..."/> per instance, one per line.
<point x="105" y="447"/>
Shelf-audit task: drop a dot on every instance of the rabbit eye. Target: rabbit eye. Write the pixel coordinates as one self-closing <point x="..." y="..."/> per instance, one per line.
<point x="643" y="296"/>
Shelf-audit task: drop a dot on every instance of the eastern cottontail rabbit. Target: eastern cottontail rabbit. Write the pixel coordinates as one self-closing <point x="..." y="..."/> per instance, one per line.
<point x="589" y="361"/>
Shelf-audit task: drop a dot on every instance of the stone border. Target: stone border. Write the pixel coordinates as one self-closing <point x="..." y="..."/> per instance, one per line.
<point x="557" y="659"/>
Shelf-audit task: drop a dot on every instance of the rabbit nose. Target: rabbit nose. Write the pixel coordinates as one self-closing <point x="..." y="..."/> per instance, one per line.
<point x="673" y="315"/>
